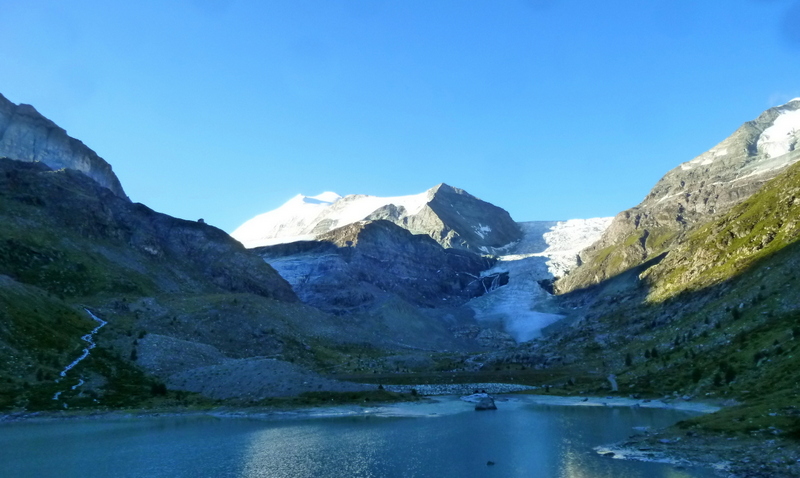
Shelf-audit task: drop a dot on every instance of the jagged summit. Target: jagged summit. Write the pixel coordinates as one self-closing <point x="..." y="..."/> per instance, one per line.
<point x="451" y="216"/>
<point x="26" y="135"/>
<point x="446" y="188"/>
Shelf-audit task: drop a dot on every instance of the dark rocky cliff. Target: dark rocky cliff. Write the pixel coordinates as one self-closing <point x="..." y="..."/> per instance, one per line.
<point x="26" y="135"/>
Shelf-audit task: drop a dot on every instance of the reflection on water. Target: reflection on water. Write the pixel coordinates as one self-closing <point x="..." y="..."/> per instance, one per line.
<point x="521" y="440"/>
<point x="314" y="450"/>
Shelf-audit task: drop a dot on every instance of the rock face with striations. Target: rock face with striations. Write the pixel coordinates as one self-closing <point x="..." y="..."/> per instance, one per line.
<point x="26" y="135"/>
<point x="451" y="216"/>
<point x="356" y="266"/>
<point x="692" y="194"/>
<point x="404" y="288"/>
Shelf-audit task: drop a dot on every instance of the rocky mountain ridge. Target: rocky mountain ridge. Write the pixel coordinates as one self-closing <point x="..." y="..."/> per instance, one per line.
<point x="26" y="135"/>
<point x="62" y="215"/>
<point x="693" y="193"/>
<point x="376" y="272"/>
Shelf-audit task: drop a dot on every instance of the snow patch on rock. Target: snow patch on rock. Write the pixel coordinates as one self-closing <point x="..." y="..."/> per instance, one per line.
<point x="782" y="137"/>
<point x="482" y="230"/>
<point x="706" y="158"/>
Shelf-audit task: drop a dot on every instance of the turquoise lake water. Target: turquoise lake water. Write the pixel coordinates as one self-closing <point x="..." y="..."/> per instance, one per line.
<point x="522" y="441"/>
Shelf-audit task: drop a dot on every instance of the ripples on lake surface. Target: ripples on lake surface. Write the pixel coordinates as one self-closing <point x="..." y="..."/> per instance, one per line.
<point x="522" y="441"/>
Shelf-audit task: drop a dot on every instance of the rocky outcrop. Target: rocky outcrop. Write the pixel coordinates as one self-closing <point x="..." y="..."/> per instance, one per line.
<point x="451" y="216"/>
<point x="486" y="403"/>
<point x="693" y="194"/>
<point x="257" y="378"/>
<point x="26" y="135"/>
<point x="356" y="266"/>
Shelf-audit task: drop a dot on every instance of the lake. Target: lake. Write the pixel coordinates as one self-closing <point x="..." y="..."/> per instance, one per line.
<point x="446" y="440"/>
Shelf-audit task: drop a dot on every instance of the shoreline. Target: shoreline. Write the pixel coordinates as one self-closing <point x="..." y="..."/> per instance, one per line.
<point x="429" y="406"/>
<point x="730" y="457"/>
<point x="741" y="457"/>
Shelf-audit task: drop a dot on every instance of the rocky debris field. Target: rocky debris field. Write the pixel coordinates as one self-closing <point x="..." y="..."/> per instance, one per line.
<point x="459" y="388"/>
<point x="255" y="379"/>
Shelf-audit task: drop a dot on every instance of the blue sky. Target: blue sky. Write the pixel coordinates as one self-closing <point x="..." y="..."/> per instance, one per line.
<point x="551" y="109"/>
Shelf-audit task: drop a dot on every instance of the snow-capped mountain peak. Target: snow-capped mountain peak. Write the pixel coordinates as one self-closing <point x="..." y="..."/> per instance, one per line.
<point x="449" y="215"/>
<point x="288" y="221"/>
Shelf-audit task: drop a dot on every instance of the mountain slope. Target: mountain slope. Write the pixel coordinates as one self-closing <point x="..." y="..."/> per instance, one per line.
<point x="692" y="194"/>
<point x="759" y="227"/>
<point x="172" y="292"/>
<point x="451" y="216"/>
<point x="63" y="233"/>
<point x="715" y="318"/>
<point x="26" y="135"/>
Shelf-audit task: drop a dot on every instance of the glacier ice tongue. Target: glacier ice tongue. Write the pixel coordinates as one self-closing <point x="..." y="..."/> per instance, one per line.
<point x="548" y="249"/>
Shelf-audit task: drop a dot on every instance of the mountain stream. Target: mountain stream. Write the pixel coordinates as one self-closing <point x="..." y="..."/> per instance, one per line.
<point x="89" y="339"/>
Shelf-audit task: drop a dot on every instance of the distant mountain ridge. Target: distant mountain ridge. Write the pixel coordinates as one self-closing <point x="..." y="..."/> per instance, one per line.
<point x="26" y="135"/>
<point x="692" y="194"/>
<point x="451" y="216"/>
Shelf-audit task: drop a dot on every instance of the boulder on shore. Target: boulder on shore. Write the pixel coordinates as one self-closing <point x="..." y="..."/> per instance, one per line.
<point x="486" y="403"/>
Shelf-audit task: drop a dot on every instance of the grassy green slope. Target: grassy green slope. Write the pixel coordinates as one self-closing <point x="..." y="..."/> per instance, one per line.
<point x="762" y="225"/>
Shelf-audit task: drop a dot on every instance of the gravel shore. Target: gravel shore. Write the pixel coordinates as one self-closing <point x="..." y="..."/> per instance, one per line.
<point x="256" y="379"/>
<point x="731" y="457"/>
<point x="459" y="388"/>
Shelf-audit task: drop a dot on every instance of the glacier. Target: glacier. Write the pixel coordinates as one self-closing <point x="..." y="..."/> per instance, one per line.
<point x="548" y="249"/>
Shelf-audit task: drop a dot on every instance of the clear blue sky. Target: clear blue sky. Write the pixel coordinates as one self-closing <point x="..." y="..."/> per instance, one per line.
<point x="551" y="109"/>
